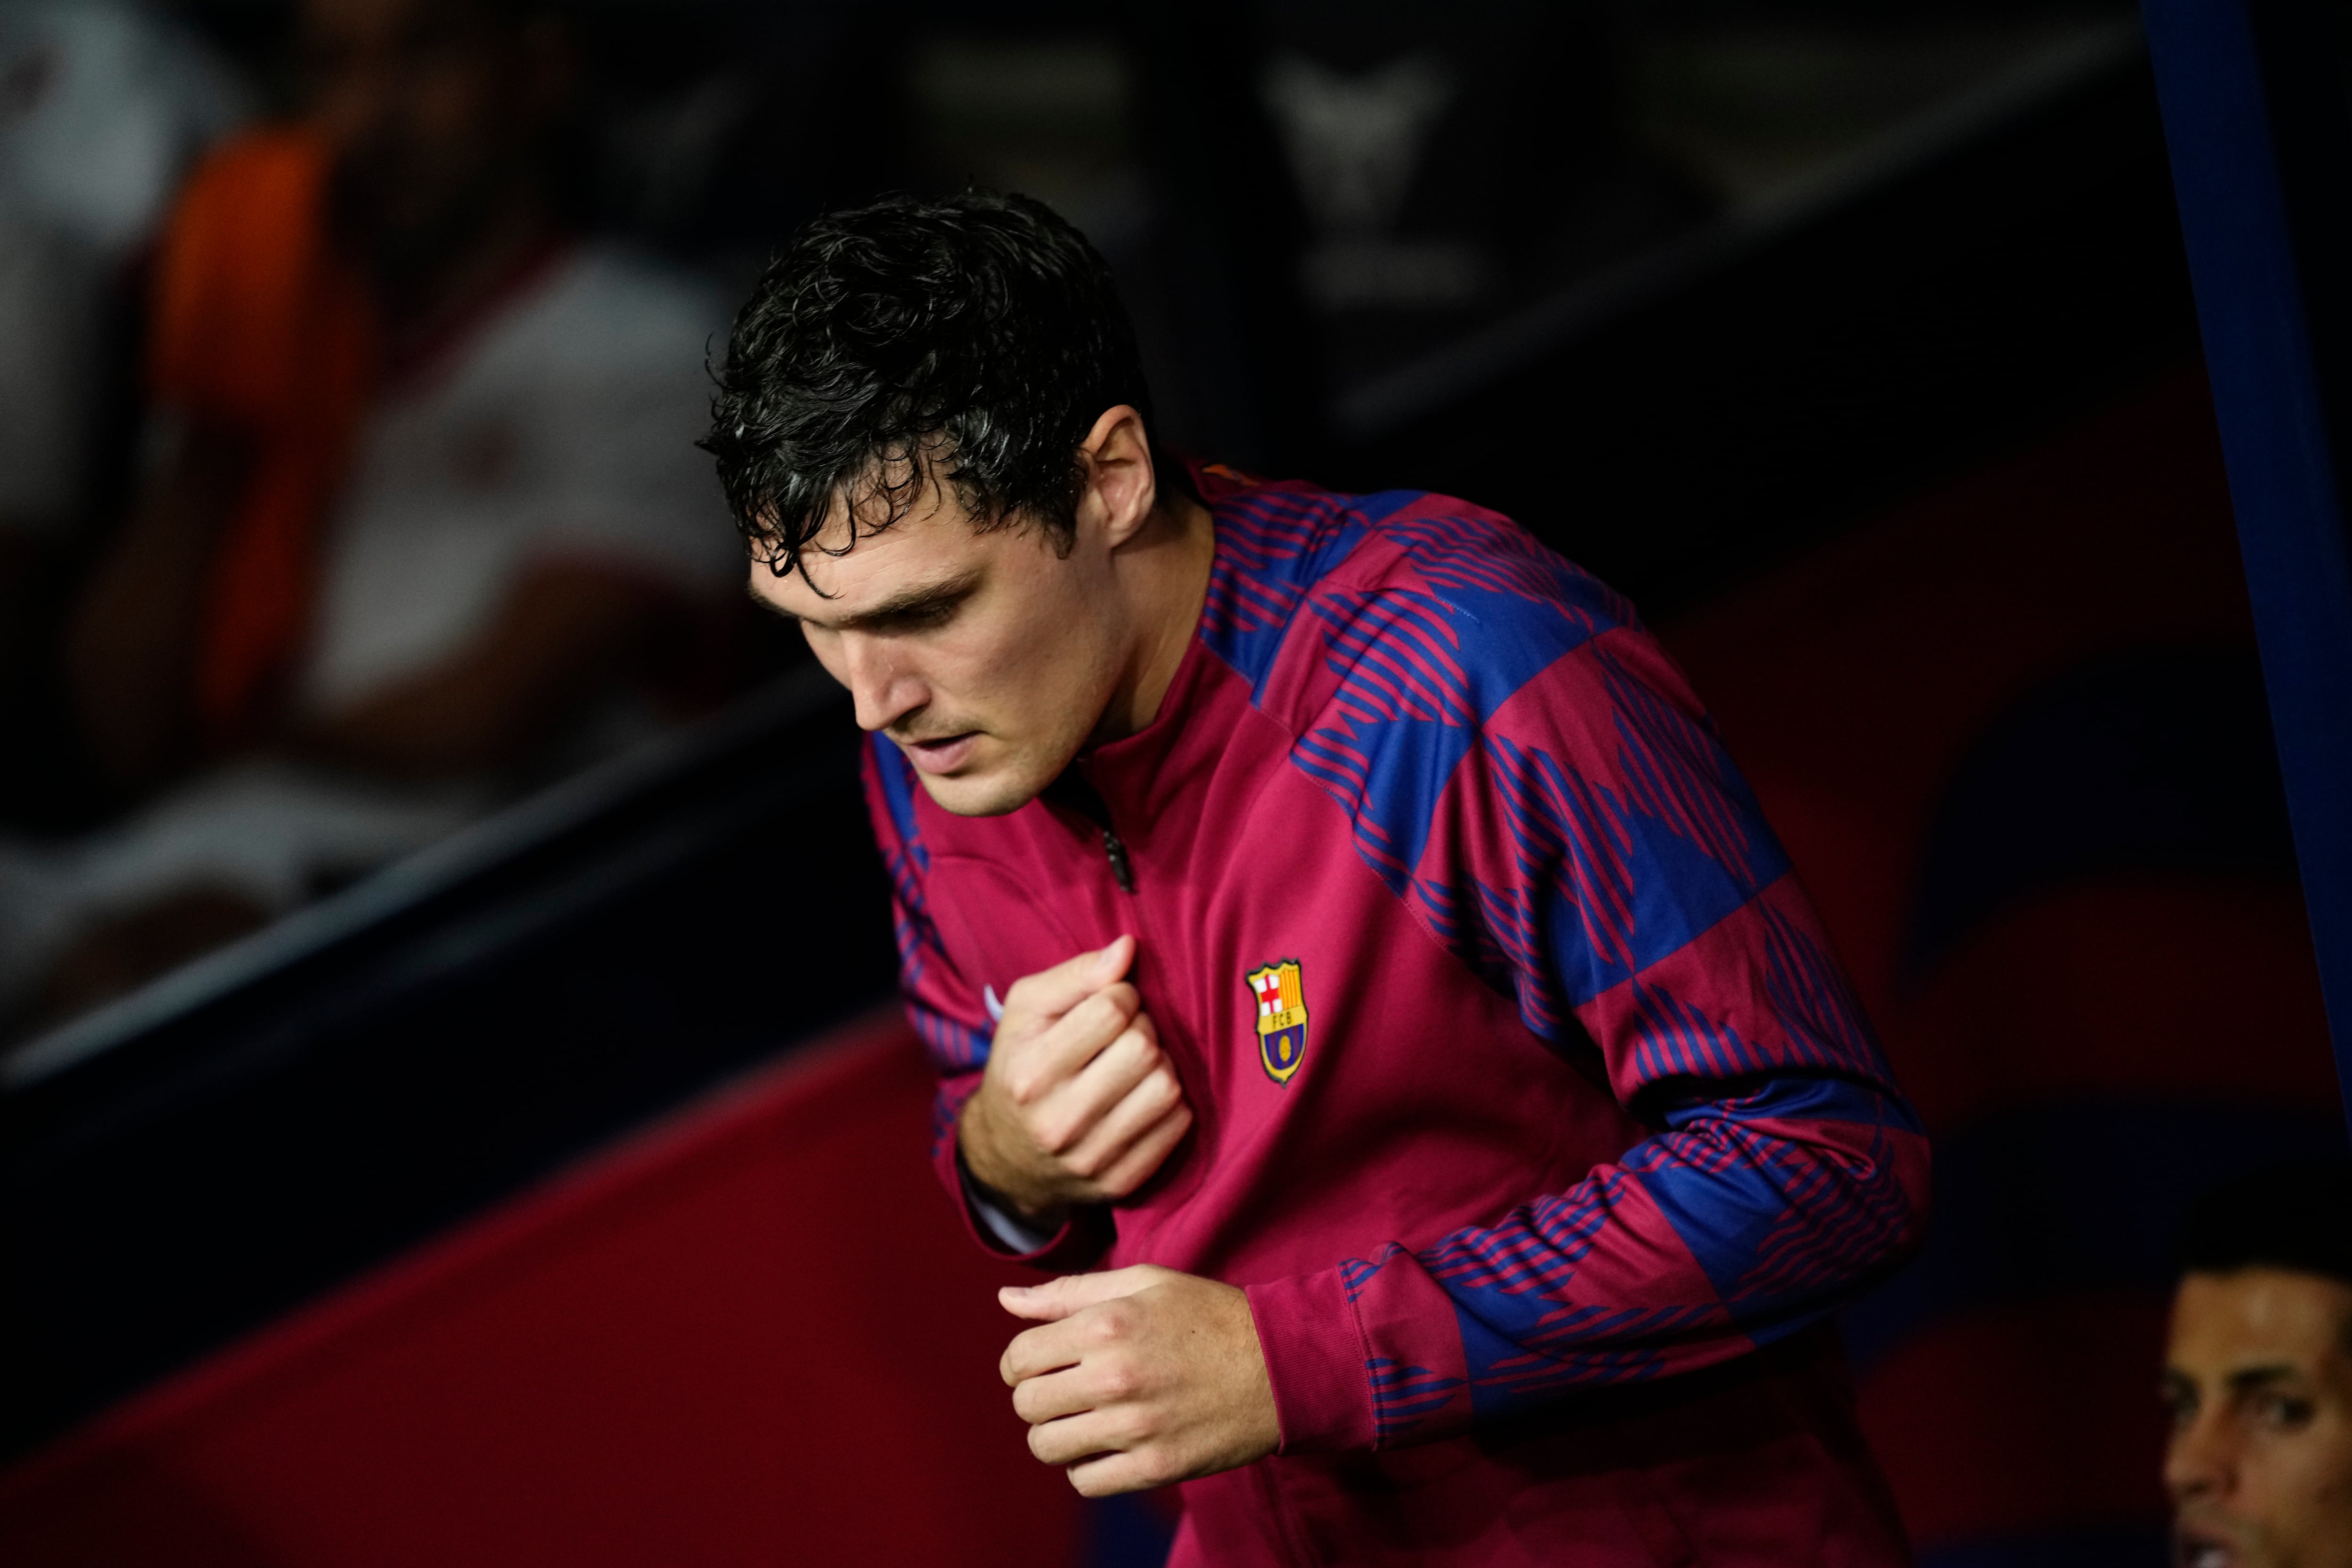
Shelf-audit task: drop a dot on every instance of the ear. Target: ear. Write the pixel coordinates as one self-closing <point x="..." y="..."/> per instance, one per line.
<point x="1119" y="488"/>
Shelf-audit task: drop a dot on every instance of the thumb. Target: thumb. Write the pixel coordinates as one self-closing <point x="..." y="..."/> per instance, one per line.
<point x="1057" y="1299"/>
<point x="1050" y="992"/>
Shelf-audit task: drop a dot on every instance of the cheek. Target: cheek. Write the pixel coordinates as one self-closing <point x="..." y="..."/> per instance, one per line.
<point x="2330" y="1479"/>
<point x="1030" y="661"/>
<point x="2303" y="1477"/>
<point x="1044" y="674"/>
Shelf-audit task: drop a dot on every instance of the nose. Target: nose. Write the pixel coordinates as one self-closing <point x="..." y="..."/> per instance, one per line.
<point x="2202" y="1458"/>
<point x="884" y="688"/>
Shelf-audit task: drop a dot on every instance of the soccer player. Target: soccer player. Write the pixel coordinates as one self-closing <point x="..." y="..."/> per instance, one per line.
<point x="2259" y="1375"/>
<point x="1334" y="919"/>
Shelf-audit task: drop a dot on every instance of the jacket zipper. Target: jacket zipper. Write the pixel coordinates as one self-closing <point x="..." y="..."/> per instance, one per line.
<point x="1077" y="794"/>
<point x="1119" y="866"/>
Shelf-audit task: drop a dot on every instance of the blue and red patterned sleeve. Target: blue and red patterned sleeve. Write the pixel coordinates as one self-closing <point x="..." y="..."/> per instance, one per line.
<point x="1593" y="853"/>
<point x="947" y="1015"/>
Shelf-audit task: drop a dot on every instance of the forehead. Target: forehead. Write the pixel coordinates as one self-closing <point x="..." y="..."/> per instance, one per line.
<point x="841" y="573"/>
<point x="2275" y="1315"/>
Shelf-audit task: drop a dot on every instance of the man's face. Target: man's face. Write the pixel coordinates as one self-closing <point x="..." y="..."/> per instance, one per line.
<point x="2260" y="1382"/>
<point x="987" y="658"/>
<point x="435" y="108"/>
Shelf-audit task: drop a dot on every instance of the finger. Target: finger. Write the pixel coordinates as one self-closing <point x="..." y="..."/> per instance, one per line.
<point x="1146" y="1102"/>
<point x="1095" y="1023"/>
<point x="1069" y="1113"/>
<point x="1081" y="1436"/>
<point x="1036" y="1067"/>
<point x="1135" y="1167"/>
<point x="1110" y="1473"/>
<point x="1033" y="1352"/>
<point x="1049" y="1396"/>
<point x="1050" y="992"/>
<point x="1057" y="1299"/>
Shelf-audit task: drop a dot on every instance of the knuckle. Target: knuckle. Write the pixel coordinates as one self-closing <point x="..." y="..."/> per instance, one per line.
<point x="1120" y="1381"/>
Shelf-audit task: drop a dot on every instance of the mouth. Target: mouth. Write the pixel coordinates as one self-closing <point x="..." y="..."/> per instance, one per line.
<point x="944" y="754"/>
<point x="2202" y="1549"/>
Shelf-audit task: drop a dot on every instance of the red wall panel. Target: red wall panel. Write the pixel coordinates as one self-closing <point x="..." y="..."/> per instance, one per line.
<point x="752" y="1335"/>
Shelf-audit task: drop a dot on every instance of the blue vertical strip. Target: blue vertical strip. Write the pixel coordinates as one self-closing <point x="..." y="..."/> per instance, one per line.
<point x="2275" y="433"/>
<point x="1125" y="1532"/>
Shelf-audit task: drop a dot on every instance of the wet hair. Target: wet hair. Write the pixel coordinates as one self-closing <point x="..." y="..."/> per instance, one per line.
<point x="2295" y="1217"/>
<point x="971" y="341"/>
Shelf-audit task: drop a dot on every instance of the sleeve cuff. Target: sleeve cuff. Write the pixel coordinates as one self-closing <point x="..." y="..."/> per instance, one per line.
<point x="1004" y="1227"/>
<point x="1083" y="1238"/>
<point x="1317" y="1361"/>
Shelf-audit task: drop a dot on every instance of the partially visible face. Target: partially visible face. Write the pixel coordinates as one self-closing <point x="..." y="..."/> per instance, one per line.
<point x="434" y="108"/>
<point x="2259" y="1383"/>
<point x="987" y="658"/>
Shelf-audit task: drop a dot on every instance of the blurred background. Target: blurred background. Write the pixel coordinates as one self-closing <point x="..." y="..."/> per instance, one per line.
<point x="454" y="1110"/>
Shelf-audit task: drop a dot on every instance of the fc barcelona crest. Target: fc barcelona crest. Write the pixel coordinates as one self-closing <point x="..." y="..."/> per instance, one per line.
<point x="1281" y="1017"/>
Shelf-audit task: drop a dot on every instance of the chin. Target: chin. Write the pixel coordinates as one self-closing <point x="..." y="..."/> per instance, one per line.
<point x="991" y="794"/>
<point x="2205" y="1544"/>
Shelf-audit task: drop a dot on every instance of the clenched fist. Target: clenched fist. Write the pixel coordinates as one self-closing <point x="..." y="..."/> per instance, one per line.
<point x="1076" y="1105"/>
<point x="1139" y="1377"/>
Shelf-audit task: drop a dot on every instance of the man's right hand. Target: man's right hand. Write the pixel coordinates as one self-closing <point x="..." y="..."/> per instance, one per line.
<point x="1076" y="1105"/>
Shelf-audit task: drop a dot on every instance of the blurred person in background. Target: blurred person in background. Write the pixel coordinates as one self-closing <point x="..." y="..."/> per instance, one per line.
<point x="102" y="108"/>
<point x="426" y="522"/>
<point x="2259" y="1374"/>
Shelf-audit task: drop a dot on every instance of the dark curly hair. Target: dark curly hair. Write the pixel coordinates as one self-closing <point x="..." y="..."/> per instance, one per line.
<point x="973" y="340"/>
<point x="2295" y="1217"/>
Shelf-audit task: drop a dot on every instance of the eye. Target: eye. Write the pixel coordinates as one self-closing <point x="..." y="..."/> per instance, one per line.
<point x="2284" y="1412"/>
<point x="926" y="617"/>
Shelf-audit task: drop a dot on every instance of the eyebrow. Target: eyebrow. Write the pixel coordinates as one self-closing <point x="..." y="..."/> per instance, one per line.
<point x="907" y="602"/>
<point x="2256" y="1376"/>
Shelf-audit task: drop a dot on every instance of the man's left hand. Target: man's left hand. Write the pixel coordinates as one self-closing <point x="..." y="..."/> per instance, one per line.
<point x="1139" y="1377"/>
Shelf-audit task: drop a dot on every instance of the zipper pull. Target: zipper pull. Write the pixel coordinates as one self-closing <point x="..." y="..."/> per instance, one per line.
<point x="1072" y="791"/>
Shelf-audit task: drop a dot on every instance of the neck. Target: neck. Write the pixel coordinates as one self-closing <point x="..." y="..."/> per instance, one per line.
<point x="1167" y="569"/>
